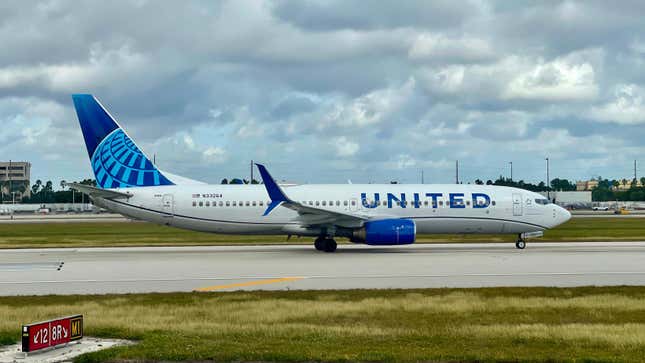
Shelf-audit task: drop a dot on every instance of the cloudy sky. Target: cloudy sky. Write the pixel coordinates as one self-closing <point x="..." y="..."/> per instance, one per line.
<point x="325" y="91"/>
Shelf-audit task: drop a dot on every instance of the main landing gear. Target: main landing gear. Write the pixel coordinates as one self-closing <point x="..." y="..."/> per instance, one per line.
<point x="520" y="244"/>
<point x="326" y="244"/>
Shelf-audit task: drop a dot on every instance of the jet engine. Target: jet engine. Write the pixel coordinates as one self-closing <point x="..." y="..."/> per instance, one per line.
<point x="386" y="232"/>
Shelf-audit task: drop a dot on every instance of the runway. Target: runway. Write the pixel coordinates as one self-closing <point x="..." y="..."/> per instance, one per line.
<point x="228" y="268"/>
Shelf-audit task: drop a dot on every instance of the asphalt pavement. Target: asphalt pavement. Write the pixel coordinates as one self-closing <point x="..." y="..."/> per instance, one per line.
<point x="228" y="268"/>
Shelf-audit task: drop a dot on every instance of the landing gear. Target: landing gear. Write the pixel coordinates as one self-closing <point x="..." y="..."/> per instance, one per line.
<point x="520" y="244"/>
<point x="326" y="244"/>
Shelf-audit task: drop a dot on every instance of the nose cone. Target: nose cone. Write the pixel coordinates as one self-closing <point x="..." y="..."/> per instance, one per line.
<point x="562" y="215"/>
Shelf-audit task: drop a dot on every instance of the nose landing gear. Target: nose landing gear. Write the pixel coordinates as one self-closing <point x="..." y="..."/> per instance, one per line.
<point x="326" y="244"/>
<point x="520" y="244"/>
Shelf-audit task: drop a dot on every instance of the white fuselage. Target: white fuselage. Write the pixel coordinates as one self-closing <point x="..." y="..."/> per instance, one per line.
<point x="434" y="208"/>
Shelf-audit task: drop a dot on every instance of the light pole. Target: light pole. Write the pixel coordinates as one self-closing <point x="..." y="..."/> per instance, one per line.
<point x="456" y="171"/>
<point x="10" y="183"/>
<point x="510" y="162"/>
<point x="548" y="181"/>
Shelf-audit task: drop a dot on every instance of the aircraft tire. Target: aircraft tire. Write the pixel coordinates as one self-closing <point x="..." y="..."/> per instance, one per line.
<point x="319" y="244"/>
<point x="520" y="244"/>
<point x="330" y="245"/>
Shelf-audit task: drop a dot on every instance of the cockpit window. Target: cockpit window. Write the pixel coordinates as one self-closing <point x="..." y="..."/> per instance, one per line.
<point x="542" y="201"/>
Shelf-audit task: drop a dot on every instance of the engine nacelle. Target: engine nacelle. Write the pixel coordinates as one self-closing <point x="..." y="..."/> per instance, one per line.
<point x="386" y="232"/>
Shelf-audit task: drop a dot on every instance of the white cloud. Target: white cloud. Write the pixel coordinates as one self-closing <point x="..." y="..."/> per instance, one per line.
<point x="371" y="108"/>
<point x="438" y="47"/>
<point x="103" y="67"/>
<point x="559" y="80"/>
<point x="189" y="142"/>
<point x="445" y="80"/>
<point x="627" y="106"/>
<point x="344" y="147"/>
<point x="215" y="155"/>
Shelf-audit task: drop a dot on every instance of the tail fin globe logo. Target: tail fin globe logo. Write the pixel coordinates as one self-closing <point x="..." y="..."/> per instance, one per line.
<point x="118" y="163"/>
<point x="116" y="160"/>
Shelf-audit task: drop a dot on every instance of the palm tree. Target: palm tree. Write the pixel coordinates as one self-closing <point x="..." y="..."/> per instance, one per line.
<point x="615" y="184"/>
<point x="35" y="189"/>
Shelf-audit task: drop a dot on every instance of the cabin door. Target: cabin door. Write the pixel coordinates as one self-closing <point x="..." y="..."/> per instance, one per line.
<point x="168" y="205"/>
<point x="517" y="204"/>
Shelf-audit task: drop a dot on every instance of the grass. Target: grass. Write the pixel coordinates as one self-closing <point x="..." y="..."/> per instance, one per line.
<point x="589" y="324"/>
<point x="145" y="234"/>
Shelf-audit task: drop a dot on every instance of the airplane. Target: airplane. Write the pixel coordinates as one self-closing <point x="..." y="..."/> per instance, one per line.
<point x="129" y="183"/>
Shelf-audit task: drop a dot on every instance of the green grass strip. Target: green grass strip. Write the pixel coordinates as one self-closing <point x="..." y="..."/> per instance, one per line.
<point x="589" y="324"/>
<point x="145" y="234"/>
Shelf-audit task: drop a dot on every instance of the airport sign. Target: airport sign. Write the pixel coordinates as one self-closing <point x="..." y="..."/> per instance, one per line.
<point x="51" y="333"/>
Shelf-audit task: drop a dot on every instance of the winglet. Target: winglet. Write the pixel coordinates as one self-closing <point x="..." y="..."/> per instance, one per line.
<point x="275" y="192"/>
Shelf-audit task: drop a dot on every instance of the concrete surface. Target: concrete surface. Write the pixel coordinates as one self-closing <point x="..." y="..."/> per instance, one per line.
<point x="226" y="268"/>
<point x="64" y="353"/>
<point x="62" y="218"/>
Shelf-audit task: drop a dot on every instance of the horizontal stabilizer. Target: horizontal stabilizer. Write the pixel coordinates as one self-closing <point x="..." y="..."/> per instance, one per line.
<point x="97" y="192"/>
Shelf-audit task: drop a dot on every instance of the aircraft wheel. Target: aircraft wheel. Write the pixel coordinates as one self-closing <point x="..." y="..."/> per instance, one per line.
<point x="330" y="245"/>
<point x="520" y="244"/>
<point x="319" y="244"/>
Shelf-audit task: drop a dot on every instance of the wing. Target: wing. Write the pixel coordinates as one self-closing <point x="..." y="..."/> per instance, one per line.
<point x="97" y="192"/>
<point x="307" y="215"/>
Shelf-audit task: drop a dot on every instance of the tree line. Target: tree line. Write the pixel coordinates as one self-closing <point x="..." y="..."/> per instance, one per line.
<point x="607" y="190"/>
<point x="44" y="193"/>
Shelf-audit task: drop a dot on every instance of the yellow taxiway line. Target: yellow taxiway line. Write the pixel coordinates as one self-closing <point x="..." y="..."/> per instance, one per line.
<point x="246" y="284"/>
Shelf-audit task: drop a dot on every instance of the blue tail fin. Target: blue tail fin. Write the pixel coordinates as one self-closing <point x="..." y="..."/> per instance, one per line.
<point x="117" y="162"/>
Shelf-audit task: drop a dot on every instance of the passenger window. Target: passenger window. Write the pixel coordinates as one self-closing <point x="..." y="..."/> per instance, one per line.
<point x="254" y="204"/>
<point x="194" y="203"/>
<point x="345" y="203"/>
<point x="208" y="203"/>
<point x="493" y="203"/>
<point x="353" y="202"/>
<point x="468" y="202"/>
<point x="241" y="204"/>
<point x="331" y="203"/>
<point x="425" y="202"/>
<point x="201" y="204"/>
<point x="228" y="204"/>
<point x="384" y="203"/>
<point x="324" y="203"/>
<point x="338" y="203"/>
<point x="221" y="203"/>
<point x="317" y="203"/>
<point x="261" y="203"/>
<point x="441" y="202"/>
<point x="248" y="204"/>
<point x="234" y="204"/>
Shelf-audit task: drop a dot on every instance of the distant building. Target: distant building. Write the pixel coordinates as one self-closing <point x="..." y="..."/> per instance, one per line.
<point x="15" y="176"/>
<point x="586" y="185"/>
<point x="578" y="199"/>
<point x="626" y="184"/>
